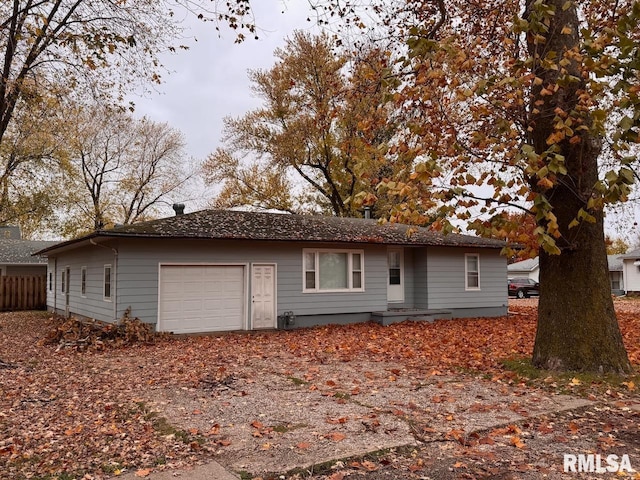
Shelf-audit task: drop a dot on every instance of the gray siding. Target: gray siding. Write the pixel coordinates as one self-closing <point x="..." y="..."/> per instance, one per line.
<point x="139" y="268"/>
<point x="445" y="274"/>
<point x="93" y="304"/>
<point x="138" y="271"/>
<point x="434" y="278"/>
<point x="420" y="293"/>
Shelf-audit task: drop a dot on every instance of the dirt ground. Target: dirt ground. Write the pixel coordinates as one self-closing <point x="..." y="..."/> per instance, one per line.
<point x="411" y="401"/>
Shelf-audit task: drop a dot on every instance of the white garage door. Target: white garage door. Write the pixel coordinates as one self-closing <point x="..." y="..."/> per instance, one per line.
<point x="201" y="298"/>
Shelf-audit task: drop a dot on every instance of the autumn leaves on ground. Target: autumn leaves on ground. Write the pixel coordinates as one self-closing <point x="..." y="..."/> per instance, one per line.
<point x="69" y="414"/>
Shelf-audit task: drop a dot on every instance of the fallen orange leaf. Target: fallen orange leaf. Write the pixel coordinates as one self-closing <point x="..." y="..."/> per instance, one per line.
<point x="143" y="472"/>
<point x="336" y="436"/>
<point x="336" y="421"/>
<point x="517" y="442"/>
<point x="370" y="466"/>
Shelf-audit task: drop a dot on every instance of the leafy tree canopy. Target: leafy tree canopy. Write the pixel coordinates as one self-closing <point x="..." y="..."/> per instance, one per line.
<point x="532" y="105"/>
<point x="320" y="142"/>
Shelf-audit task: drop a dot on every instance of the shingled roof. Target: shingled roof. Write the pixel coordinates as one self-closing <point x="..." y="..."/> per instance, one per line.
<point x="242" y="225"/>
<point x="19" y="252"/>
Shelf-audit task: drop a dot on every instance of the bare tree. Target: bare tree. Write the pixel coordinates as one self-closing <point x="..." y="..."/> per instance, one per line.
<point x="122" y="169"/>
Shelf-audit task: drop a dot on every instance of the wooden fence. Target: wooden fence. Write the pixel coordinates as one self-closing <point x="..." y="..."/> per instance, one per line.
<point x="23" y="293"/>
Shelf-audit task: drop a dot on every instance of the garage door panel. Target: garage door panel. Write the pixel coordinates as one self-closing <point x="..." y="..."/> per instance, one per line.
<point x="198" y="298"/>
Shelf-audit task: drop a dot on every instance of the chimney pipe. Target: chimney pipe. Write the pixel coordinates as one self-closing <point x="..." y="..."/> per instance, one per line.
<point x="178" y="208"/>
<point x="367" y="212"/>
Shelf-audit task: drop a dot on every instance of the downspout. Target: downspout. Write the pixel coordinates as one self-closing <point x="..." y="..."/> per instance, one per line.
<point x="114" y="291"/>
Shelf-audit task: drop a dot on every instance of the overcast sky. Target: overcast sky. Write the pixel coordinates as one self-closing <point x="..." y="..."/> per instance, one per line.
<point x="209" y="81"/>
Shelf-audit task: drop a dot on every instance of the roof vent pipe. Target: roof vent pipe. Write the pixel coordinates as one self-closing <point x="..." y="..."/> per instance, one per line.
<point x="367" y="212"/>
<point x="178" y="208"/>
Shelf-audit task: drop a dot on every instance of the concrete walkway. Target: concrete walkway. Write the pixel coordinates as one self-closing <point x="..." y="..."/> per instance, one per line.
<point x="210" y="471"/>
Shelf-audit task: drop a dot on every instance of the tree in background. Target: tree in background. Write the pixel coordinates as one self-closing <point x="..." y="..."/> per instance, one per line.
<point x="510" y="104"/>
<point x="121" y="169"/>
<point x="101" y="49"/>
<point x="320" y="142"/>
<point x="616" y="246"/>
<point x="31" y="161"/>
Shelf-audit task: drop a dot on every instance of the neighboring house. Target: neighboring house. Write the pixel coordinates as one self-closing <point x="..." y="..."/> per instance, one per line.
<point x="631" y="271"/>
<point x="525" y="268"/>
<point x="230" y="270"/>
<point x="530" y="268"/>
<point x="16" y="257"/>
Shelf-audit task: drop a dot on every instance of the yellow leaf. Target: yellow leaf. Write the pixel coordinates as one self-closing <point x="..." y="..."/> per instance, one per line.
<point x="574" y="381"/>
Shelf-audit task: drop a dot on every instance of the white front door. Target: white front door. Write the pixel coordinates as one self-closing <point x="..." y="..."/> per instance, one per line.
<point x="395" y="276"/>
<point x="263" y="296"/>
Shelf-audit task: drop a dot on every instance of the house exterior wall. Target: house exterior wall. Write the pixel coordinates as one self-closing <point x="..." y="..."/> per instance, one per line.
<point x="421" y="294"/>
<point x="434" y="278"/>
<point x="631" y="275"/>
<point x="445" y="275"/>
<point x="92" y="305"/>
<point x="138" y="264"/>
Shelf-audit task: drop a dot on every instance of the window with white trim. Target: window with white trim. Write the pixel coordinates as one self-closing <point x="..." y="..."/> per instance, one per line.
<point x="331" y="270"/>
<point x="472" y="271"/>
<point x="107" y="282"/>
<point x="83" y="281"/>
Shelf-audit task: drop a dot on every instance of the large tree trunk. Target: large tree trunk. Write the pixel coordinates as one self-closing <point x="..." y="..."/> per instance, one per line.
<point x="577" y="325"/>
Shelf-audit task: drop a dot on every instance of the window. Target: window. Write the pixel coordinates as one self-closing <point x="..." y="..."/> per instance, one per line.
<point x="472" y="271"/>
<point x="63" y="282"/>
<point x="50" y="281"/>
<point x="615" y="280"/>
<point x="83" y="281"/>
<point x="395" y="277"/>
<point x="107" y="282"/>
<point x="333" y="270"/>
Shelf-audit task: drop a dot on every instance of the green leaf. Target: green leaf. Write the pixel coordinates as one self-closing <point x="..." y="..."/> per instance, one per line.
<point x="626" y="123"/>
<point x="543" y="172"/>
